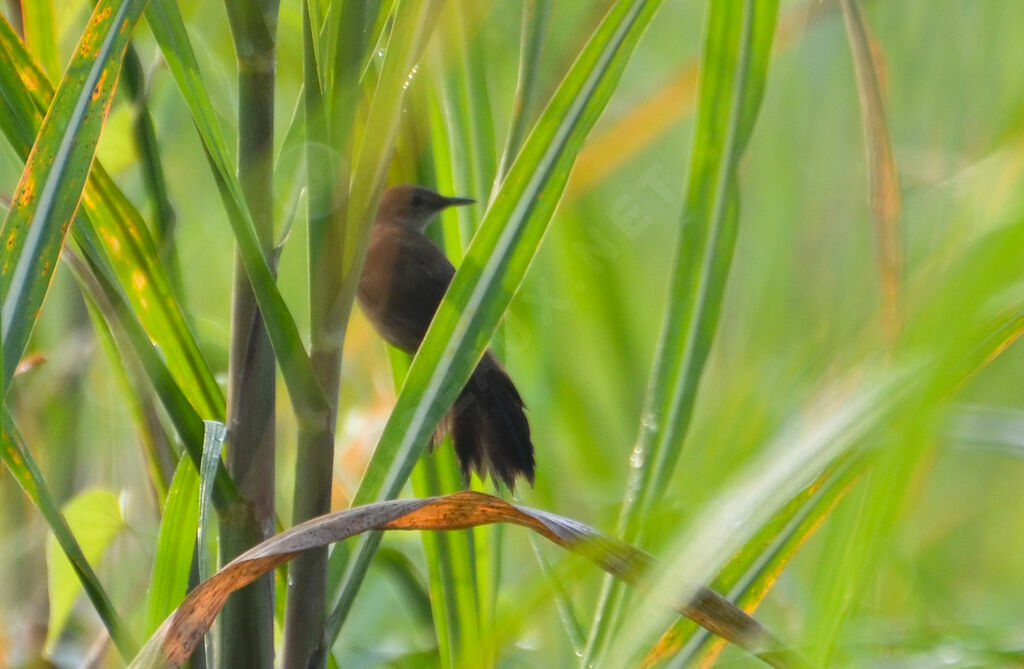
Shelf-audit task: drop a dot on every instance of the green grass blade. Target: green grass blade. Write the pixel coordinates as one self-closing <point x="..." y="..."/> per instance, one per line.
<point x="735" y="64"/>
<point x="753" y="570"/>
<point x="96" y="516"/>
<point x="213" y="444"/>
<point x="148" y="147"/>
<point x="445" y="553"/>
<point x="467" y="108"/>
<point x="135" y="259"/>
<point x="19" y="461"/>
<point x="55" y="173"/>
<point x="535" y="18"/>
<point x="307" y="397"/>
<point x="413" y="22"/>
<point x="884" y="194"/>
<point x="119" y="227"/>
<point x="175" y="543"/>
<point x="41" y="34"/>
<point x="494" y="266"/>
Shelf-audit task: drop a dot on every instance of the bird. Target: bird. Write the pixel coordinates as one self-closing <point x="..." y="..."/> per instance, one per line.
<point x="404" y="279"/>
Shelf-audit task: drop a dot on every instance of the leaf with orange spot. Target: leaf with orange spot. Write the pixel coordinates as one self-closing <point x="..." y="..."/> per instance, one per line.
<point x="55" y="173"/>
<point x="126" y="242"/>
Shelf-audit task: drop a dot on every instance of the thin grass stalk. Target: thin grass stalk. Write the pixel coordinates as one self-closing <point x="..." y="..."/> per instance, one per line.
<point x="475" y="132"/>
<point x="884" y="191"/>
<point x="426" y="479"/>
<point x="148" y="147"/>
<point x="306" y="395"/>
<point x="452" y="569"/>
<point x="247" y="628"/>
<point x="412" y="25"/>
<point x="735" y="64"/>
<point x="535" y="18"/>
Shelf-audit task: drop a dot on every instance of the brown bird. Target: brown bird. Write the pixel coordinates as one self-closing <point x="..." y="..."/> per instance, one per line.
<point x="403" y="282"/>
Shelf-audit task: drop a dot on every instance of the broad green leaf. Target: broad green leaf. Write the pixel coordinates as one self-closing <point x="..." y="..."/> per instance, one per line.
<point x="51" y="185"/>
<point x="20" y="463"/>
<point x="311" y="406"/>
<point x="738" y="39"/>
<point x="112" y="219"/>
<point x="494" y="266"/>
<point x="95" y="515"/>
<point x="175" y="543"/>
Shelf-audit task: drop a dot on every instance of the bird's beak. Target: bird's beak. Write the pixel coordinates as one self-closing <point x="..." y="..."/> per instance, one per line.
<point x="458" y="201"/>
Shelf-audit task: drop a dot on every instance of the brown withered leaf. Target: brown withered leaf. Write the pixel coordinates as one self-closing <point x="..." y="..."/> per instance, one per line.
<point x="179" y="635"/>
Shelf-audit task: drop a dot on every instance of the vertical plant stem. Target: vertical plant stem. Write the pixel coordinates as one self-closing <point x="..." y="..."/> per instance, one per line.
<point x="247" y="638"/>
<point x="314" y="464"/>
<point x="329" y="116"/>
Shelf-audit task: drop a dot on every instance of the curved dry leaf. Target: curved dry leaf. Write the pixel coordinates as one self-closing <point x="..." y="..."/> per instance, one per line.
<point x="174" y="642"/>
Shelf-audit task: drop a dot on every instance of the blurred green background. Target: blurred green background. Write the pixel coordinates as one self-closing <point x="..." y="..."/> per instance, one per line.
<point x="941" y="584"/>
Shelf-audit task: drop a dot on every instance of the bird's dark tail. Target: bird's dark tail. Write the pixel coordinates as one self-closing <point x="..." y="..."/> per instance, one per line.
<point x="489" y="427"/>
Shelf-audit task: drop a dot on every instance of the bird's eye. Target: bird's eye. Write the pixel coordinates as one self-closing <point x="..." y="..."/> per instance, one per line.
<point x="417" y="200"/>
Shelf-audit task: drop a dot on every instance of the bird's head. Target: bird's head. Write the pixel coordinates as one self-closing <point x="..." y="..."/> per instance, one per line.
<point x="414" y="206"/>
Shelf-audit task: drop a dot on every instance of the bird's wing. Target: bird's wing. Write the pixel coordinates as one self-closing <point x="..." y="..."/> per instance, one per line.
<point x="419" y="280"/>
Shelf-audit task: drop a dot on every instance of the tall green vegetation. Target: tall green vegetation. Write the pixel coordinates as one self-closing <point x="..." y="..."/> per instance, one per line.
<point x="755" y="272"/>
